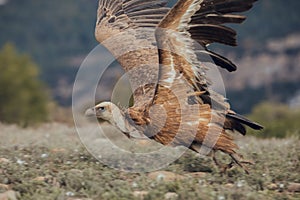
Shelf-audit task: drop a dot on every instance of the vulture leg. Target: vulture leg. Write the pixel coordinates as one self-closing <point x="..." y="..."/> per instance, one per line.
<point x="238" y="159"/>
<point x="222" y="167"/>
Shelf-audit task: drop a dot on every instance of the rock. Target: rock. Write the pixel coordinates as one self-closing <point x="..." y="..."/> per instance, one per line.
<point x="293" y="187"/>
<point x="281" y="187"/>
<point x="229" y="185"/>
<point x="240" y="183"/>
<point x="197" y="174"/>
<point x="140" y="194"/>
<point x="3" y="186"/>
<point x="58" y="150"/>
<point x="4" y="160"/>
<point x="171" y="196"/>
<point x="164" y="176"/>
<point x="44" y="155"/>
<point x="70" y="194"/>
<point x="272" y="186"/>
<point x="9" y="195"/>
<point x="21" y="162"/>
<point x="40" y="179"/>
<point x="135" y="185"/>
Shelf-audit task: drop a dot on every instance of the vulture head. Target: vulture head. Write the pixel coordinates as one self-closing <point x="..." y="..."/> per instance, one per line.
<point x="103" y="111"/>
<point x="111" y="113"/>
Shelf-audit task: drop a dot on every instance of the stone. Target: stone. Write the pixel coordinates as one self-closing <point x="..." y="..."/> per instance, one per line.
<point x="164" y="176"/>
<point x="40" y="179"/>
<point x="4" y="186"/>
<point x="293" y="187"/>
<point x="58" y="150"/>
<point x="272" y="186"/>
<point x="4" y="160"/>
<point x="9" y="195"/>
<point x="197" y="174"/>
<point x="171" y="196"/>
<point x="140" y="194"/>
<point x="229" y="185"/>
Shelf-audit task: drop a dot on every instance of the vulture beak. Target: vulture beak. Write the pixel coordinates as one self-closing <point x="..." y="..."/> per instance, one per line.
<point x="91" y="112"/>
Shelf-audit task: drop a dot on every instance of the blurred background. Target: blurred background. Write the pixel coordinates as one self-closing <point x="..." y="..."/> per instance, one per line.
<point x="43" y="43"/>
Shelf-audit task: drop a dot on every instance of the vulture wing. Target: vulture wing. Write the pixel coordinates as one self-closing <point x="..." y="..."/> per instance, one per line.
<point x="188" y="24"/>
<point x="121" y="15"/>
<point x="126" y="28"/>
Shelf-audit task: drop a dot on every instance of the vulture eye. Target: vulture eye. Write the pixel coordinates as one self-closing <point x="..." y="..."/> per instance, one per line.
<point x="101" y="109"/>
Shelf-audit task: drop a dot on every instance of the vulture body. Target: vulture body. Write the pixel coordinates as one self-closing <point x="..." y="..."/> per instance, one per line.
<point x="163" y="51"/>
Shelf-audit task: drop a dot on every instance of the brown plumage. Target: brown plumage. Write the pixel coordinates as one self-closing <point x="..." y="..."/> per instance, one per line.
<point x="173" y="101"/>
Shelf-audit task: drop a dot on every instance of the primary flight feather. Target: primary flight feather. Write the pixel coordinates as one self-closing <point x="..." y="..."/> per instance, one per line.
<point x="163" y="52"/>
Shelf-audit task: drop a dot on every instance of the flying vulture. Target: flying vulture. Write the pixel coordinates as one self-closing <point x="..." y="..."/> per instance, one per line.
<point x="164" y="51"/>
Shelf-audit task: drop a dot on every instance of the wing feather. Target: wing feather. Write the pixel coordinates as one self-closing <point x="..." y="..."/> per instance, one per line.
<point x="215" y="18"/>
<point x="216" y="12"/>
<point x="149" y="13"/>
<point x="126" y="28"/>
<point x="141" y="5"/>
<point x="195" y="20"/>
<point x="208" y="56"/>
<point x="213" y="33"/>
<point x="124" y="14"/>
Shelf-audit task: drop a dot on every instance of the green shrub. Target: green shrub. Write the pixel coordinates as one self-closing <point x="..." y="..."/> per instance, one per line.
<point x="23" y="99"/>
<point x="278" y="119"/>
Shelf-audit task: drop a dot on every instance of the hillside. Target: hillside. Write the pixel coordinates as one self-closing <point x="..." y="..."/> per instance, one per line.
<point x="53" y="33"/>
<point x="271" y="74"/>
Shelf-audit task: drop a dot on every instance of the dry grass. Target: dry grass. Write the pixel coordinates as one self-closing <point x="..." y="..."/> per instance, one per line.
<point x="49" y="162"/>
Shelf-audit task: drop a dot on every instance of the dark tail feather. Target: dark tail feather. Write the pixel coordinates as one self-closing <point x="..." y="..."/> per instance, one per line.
<point x="245" y="121"/>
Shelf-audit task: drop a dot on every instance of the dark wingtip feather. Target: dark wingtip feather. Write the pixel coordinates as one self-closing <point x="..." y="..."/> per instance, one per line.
<point x="208" y="56"/>
<point x="245" y="121"/>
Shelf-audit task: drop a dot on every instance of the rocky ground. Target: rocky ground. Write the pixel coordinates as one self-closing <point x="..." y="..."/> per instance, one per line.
<point x="49" y="162"/>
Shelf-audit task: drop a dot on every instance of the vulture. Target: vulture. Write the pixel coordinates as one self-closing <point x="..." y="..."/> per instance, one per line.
<point x="164" y="52"/>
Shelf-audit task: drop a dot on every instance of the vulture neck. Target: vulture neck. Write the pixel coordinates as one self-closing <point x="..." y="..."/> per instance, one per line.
<point x="120" y="122"/>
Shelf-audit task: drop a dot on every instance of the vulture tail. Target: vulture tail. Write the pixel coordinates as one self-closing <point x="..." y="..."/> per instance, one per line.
<point x="241" y="119"/>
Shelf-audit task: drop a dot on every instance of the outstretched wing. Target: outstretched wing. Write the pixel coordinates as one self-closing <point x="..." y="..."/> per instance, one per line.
<point x="126" y="28"/>
<point x="115" y="16"/>
<point x="188" y="24"/>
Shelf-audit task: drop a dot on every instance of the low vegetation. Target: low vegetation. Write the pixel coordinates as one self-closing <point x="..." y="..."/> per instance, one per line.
<point x="23" y="98"/>
<point x="49" y="162"/>
<point x="279" y="120"/>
